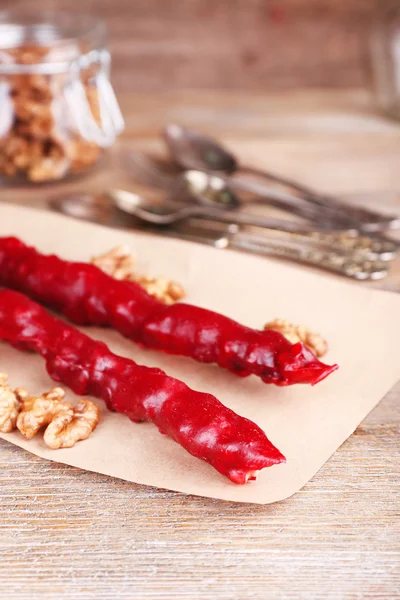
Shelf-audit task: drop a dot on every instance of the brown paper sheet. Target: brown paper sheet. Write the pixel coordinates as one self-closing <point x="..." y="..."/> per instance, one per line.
<point x="306" y="424"/>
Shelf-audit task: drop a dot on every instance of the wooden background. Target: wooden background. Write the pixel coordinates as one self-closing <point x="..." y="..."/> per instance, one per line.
<point x="232" y="44"/>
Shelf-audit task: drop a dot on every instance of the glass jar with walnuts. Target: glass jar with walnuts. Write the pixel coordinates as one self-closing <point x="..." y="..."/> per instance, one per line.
<point x="58" y="111"/>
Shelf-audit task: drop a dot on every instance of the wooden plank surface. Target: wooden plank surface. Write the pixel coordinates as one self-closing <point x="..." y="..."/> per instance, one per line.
<point x="232" y="44"/>
<point x="67" y="534"/>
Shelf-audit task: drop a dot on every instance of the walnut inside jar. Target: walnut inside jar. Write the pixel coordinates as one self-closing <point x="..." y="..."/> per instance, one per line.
<point x="42" y="143"/>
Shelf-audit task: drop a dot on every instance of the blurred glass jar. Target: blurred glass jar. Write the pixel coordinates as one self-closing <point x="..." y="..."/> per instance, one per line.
<point x="385" y="53"/>
<point x="58" y="111"/>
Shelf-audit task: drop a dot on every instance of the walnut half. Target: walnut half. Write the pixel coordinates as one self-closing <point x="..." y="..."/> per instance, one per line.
<point x="38" y="412"/>
<point x="65" y="424"/>
<point x="161" y="288"/>
<point x="120" y="263"/>
<point x="72" y="424"/>
<point x="9" y="406"/>
<point x="300" y="333"/>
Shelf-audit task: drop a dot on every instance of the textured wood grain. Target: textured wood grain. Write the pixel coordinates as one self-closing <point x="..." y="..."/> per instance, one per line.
<point x="232" y="44"/>
<point x="67" y="534"/>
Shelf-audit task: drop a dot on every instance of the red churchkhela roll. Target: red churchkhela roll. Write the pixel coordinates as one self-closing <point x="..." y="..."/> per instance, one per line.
<point x="232" y="444"/>
<point x="87" y="296"/>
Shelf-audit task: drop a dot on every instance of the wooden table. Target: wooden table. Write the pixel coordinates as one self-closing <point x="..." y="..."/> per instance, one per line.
<point x="67" y="534"/>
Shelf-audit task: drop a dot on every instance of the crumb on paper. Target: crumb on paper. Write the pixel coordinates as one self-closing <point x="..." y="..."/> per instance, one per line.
<point x="300" y="333"/>
<point x="64" y="423"/>
<point x="120" y="263"/>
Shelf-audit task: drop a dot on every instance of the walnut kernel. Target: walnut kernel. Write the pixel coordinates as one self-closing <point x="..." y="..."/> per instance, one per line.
<point x="300" y="333"/>
<point x="65" y="424"/>
<point x="120" y="263"/>
<point x="162" y="288"/>
<point x="9" y="406"/>
<point x="37" y="411"/>
<point x="72" y="424"/>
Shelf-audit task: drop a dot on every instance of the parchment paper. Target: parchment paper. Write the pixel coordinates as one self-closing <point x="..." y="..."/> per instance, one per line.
<point x="306" y="424"/>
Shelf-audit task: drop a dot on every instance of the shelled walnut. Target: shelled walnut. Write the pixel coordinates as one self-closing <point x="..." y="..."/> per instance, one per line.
<point x="9" y="406"/>
<point x="300" y="333"/>
<point x="64" y="424"/>
<point x="72" y="424"/>
<point x="120" y="263"/>
<point x="37" y="412"/>
<point x="41" y="142"/>
<point x="161" y="288"/>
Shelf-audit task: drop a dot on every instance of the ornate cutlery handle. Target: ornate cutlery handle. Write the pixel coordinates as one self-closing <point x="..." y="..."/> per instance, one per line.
<point x="348" y="264"/>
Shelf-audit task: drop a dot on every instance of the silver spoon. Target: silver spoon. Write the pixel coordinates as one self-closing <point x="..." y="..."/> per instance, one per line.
<point x="194" y="151"/>
<point x="168" y="212"/>
<point x="213" y="191"/>
<point x="102" y="209"/>
<point x="99" y="209"/>
<point x="218" y="190"/>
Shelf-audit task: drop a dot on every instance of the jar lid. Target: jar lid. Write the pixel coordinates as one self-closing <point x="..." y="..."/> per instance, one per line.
<point x="50" y="42"/>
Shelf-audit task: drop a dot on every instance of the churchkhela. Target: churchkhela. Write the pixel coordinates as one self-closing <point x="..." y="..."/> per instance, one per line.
<point x="233" y="445"/>
<point x="87" y="296"/>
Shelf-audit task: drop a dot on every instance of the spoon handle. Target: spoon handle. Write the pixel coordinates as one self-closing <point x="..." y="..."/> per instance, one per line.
<point x="169" y="212"/>
<point x="347" y="264"/>
<point x="241" y="218"/>
<point x="341" y="240"/>
<point x="337" y="241"/>
<point x="370" y="220"/>
<point x="295" y="204"/>
<point x="294" y="185"/>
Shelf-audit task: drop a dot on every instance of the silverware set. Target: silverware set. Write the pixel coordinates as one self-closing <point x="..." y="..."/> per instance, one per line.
<point x="199" y="200"/>
<point x="191" y="150"/>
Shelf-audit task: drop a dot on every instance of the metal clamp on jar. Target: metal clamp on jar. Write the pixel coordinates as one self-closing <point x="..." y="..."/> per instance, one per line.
<point x="58" y="110"/>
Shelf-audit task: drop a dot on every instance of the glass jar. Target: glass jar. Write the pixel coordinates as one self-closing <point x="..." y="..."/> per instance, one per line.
<point x="385" y="54"/>
<point x="58" y="111"/>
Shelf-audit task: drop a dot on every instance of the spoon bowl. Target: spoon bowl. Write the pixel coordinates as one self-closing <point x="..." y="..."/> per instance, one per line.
<point x="88" y="207"/>
<point x="210" y="190"/>
<point x="195" y="151"/>
<point x="149" y="211"/>
<point x="192" y="185"/>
